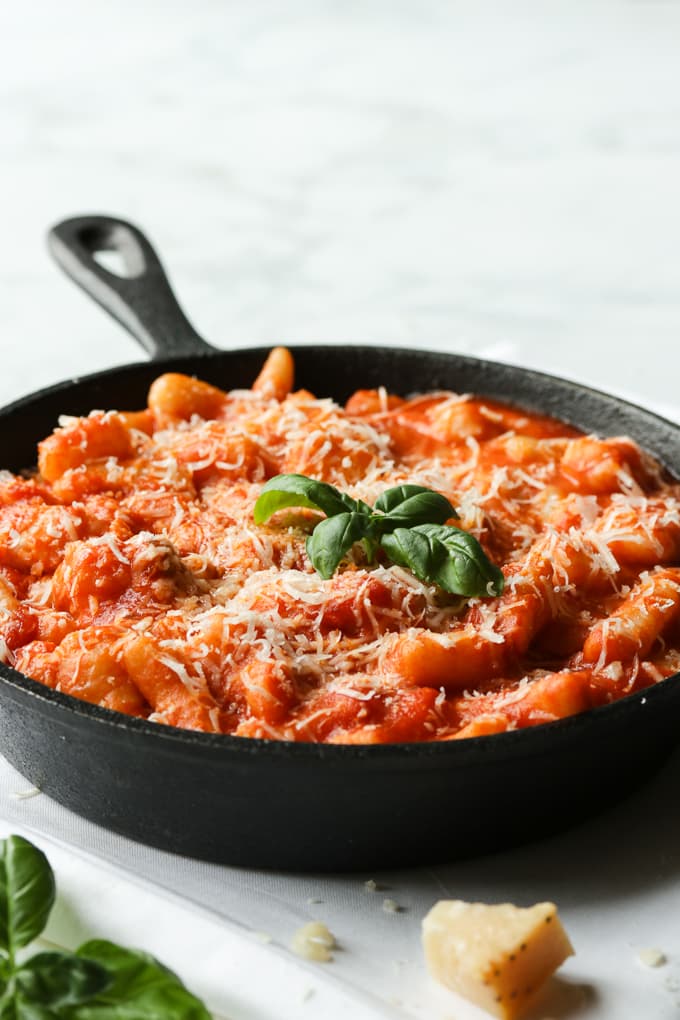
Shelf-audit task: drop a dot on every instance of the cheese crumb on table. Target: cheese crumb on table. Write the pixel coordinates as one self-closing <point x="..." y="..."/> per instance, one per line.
<point x="313" y="941"/>
<point x="32" y="791"/>
<point x="391" y="907"/>
<point x="497" y="956"/>
<point x="652" y="957"/>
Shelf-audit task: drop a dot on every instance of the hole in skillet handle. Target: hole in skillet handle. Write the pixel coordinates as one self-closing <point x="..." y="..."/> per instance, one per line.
<point x="114" y="249"/>
<point x="113" y="262"/>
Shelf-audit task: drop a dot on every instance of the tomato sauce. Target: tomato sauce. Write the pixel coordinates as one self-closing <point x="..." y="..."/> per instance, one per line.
<point x="133" y="575"/>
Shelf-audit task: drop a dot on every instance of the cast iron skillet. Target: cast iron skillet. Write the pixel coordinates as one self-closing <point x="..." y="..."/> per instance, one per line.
<point x="305" y="806"/>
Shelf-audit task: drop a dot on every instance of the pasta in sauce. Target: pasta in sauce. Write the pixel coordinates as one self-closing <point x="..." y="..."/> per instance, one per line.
<point x="133" y="576"/>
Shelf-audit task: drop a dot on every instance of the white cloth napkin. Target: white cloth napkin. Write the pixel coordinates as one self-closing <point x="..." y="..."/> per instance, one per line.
<point x="615" y="879"/>
<point x="95" y="899"/>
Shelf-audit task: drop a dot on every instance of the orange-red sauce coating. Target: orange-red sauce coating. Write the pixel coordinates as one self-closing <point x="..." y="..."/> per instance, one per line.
<point x="132" y="574"/>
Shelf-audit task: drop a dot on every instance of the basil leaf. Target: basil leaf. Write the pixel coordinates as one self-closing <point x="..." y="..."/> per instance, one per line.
<point x="59" y="979"/>
<point x="141" y="988"/>
<point x="333" y="538"/>
<point x="26" y="893"/>
<point x="298" y="490"/>
<point x="447" y="556"/>
<point x="16" y="1009"/>
<point x="408" y="505"/>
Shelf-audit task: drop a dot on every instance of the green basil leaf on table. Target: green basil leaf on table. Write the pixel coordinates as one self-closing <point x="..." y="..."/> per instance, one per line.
<point x="408" y="505"/>
<point x="285" y="491"/>
<point x="27" y="893"/>
<point x="102" y="981"/>
<point x="332" y="539"/>
<point x="141" y="988"/>
<point x="446" y="556"/>
<point x="18" y="1009"/>
<point x="59" y="979"/>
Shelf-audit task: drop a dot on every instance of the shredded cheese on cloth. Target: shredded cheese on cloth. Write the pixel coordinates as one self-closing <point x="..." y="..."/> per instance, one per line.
<point x="133" y="575"/>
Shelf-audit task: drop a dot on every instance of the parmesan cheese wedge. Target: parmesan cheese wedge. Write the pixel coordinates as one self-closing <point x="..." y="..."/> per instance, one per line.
<point x="497" y="956"/>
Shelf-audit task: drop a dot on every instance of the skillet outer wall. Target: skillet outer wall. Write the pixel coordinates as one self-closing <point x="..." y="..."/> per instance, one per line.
<point x="310" y="807"/>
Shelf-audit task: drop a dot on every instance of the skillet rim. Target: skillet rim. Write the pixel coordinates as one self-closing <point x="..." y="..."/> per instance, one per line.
<point x="531" y="737"/>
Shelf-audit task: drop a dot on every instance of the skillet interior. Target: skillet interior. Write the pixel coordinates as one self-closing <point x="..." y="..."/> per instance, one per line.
<point x="315" y="807"/>
<point x="337" y="371"/>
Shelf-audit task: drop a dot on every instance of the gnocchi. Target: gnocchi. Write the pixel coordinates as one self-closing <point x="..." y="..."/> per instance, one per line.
<point x="133" y="575"/>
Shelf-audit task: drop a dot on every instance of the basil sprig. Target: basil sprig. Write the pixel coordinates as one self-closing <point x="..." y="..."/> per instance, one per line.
<point x="408" y="522"/>
<point x="100" y="981"/>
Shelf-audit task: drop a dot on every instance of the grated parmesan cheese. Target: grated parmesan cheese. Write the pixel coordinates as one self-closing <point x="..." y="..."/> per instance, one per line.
<point x="652" y="957"/>
<point x="260" y="645"/>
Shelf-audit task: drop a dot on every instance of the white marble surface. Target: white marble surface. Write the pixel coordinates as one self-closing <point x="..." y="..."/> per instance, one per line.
<point x="487" y="177"/>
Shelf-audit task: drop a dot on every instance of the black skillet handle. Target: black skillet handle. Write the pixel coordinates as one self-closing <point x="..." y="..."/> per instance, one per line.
<point x="141" y="299"/>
